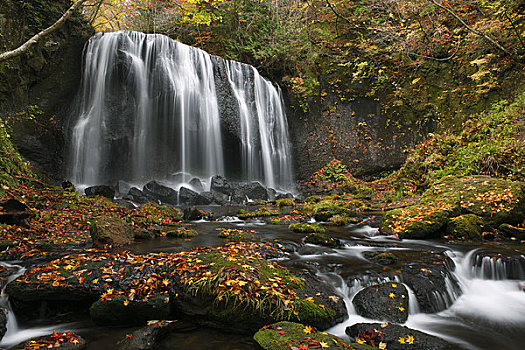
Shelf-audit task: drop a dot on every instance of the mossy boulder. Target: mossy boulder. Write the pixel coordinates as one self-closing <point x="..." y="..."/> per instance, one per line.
<point x="306" y="228"/>
<point x="146" y="338"/>
<point x="122" y="312"/>
<point x="381" y="257"/>
<point x="111" y="230"/>
<point x="512" y="231"/>
<point x="384" y="302"/>
<point x="285" y="202"/>
<point x="182" y="232"/>
<point x="325" y="209"/>
<point x="59" y="341"/>
<point x="322" y="239"/>
<point x="468" y="226"/>
<point x="491" y="201"/>
<point x="343" y="220"/>
<point x="286" y="335"/>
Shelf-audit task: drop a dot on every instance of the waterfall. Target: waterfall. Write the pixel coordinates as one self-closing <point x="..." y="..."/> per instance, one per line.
<point x="149" y="106"/>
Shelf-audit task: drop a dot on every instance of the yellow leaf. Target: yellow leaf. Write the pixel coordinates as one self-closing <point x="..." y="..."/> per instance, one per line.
<point x="382" y="346"/>
<point x="360" y="340"/>
<point x="415" y="81"/>
<point x="401" y="340"/>
<point x="410" y="339"/>
<point x="401" y="308"/>
<point x="394" y="285"/>
<point x="307" y="329"/>
<point x="126" y="302"/>
<point x="324" y="345"/>
<point x="392" y="295"/>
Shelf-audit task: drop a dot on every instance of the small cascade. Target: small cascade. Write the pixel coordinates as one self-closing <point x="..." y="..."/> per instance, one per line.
<point x="498" y="267"/>
<point x="149" y="107"/>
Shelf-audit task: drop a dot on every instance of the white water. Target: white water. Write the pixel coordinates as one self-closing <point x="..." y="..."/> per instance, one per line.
<point x="16" y="334"/>
<point x="149" y="107"/>
<point x="488" y="312"/>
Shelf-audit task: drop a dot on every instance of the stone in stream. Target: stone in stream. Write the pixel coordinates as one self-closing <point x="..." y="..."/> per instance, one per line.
<point x="249" y="191"/>
<point x="290" y="335"/>
<point x="100" y="190"/>
<point x="384" y="302"/>
<point x="204" y="198"/>
<point x="398" y="337"/>
<point x="60" y="341"/>
<point x="323" y="239"/>
<point x="157" y="191"/>
<point x="115" y="231"/>
<point x="219" y="184"/>
<point x="123" y="187"/>
<point x="146" y="338"/>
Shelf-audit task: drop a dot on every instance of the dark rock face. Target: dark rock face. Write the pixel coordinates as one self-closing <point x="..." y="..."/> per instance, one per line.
<point x="384" y="302"/>
<point x="252" y="191"/>
<point x="66" y="341"/>
<point x="192" y="214"/>
<point x="187" y="196"/>
<point x="47" y="76"/>
<point x="392" y="333"/>
<point x="100" y="190"/>
<point x="363" y="137"/>
<point x="204" y="198"/>
<point x="123" y="187"/>
<point x="155" y="190"/>
<point x="115" y="313"/>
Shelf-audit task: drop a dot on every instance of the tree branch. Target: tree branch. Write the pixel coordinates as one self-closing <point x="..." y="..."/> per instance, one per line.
<point x="36" y="38"/>
<point x="483" y="35"/>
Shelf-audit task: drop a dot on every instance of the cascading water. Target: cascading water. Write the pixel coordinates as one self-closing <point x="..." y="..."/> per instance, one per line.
<point x="149" y="106"/>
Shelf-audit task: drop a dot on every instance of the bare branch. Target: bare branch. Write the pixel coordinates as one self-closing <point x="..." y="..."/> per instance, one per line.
<point x="483" y="35"/>
<point x="36" y="38"/>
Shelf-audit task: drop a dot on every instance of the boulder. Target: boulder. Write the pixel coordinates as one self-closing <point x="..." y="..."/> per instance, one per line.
<point x="154" y="189"/>
<point x="187" y="196"/>
<point x="284" y="196"/>
<point x="324" y="210"/>
<point x="125" y="203"/>
<point x="322" y="239"/>
<point x="468" y="226"/>
<point x="204" y="198"/>
<point x="14" y="212"/>
<point x="123" y="187"/>
<point x="100" y="190"/>
<point x="111" y="230"/>
<point x="391" y="334"/>
<point x="196" y="184"/>
<point x="220" y="198"/>
<point x="512" y="231"/>
<point x="251" y="191"/>
<point x="192" y="214"/>
<point x="219" y="184"/>
<point x="383" y="302"/>
<point x="60" y="341"/>
<point x="147" y="337"/>
<point x="118" y="312"/>
<point x="281" y="335"/>
<point x="137" y="196"/>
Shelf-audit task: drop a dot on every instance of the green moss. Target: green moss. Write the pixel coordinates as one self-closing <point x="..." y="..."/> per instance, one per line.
<point x="237" y="235"/>
<point x="261" y="212"/>
<point x="325" y="209"/>
<point x="322" y="239"/>
<point x="467" y="226"/>
<point x="156" y="214"/>
<point x="280" y="335"/>
<point x="285" y="202"/>
<point x="343" y="220"/>
<point x="306" y="228"/>
<point x="181" y="233"/>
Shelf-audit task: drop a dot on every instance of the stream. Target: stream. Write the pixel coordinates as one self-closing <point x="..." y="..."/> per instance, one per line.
<point x="482" y="304"/>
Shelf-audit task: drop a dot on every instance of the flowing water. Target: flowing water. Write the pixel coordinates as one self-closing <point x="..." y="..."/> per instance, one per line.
<point x="482" y="306"/>
<point x="150" y="107"/>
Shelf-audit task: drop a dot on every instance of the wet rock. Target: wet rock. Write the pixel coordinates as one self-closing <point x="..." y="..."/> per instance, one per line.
<point x="427" y="226"/>
<point x="116" y="312"/>
<point x="137" y="196"/>
<point x="250" y="191"/>
<point x="187" y="196"/>
<point x="204" y="198"/>
<point x="100" y="190"/>
<point x="147" y="337"/>
<point x="281" y="335"/>
<point x="196" y="184"/>
<point x="284" y="196"/>
<point x="391" y="334"/>
<point x="60" y="341"/>
<point x="181" y="233"/>
<point x="468" y="226"/>
<point x="3" y="322"/>
<point x="512" y="231"/>
<point x="192" y="214"/>
<point x="220" y="198"/>
<point x="384" y="302"/>
<point x="322" y="239"/>
<point x="68" y="186"/>
<point x="125" y="203"/>
<point x="219" y="184"/>
<point x="324" y="210"/>
<point x="141" y="234"/>
<point x="272" y="194"/>
<point x="123" y="187"/>
<point x="382" y="257"/>
<point x="154" y="189"/>
<point x="111" y="230"/>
